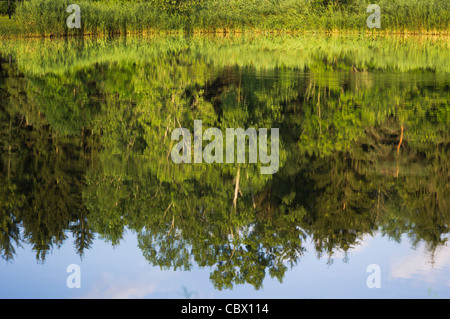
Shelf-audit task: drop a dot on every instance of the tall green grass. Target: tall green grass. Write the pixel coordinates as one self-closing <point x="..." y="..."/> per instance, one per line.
<point x="48" y="17"/>
<point x="396" y="15"/>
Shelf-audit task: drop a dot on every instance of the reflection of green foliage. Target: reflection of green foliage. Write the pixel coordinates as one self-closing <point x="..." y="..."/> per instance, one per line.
<point x="42" y="178"/>
<point x="351" y="54"/>
<point x="356" y="156"/>
<point x="68" y="109"/>
<point x="9" y="228"/>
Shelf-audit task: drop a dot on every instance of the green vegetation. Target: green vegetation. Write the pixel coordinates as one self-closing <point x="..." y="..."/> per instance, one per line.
<point x="48" y="17"/>
<point x="4" y="7"/>
<point x="85" y="135"/>
<point x="9" y="28"/>
<point x="320" y="53"/>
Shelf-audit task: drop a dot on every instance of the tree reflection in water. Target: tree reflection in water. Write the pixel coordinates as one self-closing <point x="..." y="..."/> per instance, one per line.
<point x="85" y="150"/>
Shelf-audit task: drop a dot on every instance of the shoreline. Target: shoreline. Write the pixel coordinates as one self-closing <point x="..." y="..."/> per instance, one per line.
<point x="234" y="32"/>
<point x="9" y="29"/>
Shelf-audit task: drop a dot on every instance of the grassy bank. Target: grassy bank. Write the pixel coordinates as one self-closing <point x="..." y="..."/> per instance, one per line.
<point x="48" y="17"/>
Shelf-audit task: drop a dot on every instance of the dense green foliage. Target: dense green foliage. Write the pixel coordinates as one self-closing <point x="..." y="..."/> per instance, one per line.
<point x="177" y="6"/>
<point x="4" y="7"/>
<point x="48" y="17"/>
<point x="85" y="136"/>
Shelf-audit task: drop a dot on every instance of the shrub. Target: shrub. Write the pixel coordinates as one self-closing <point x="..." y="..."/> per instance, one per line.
<point x="4" y="7"/>
<point x="177" y="6"/>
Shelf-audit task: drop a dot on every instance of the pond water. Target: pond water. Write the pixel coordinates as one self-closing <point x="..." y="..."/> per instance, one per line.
<point x="359" y="206"/>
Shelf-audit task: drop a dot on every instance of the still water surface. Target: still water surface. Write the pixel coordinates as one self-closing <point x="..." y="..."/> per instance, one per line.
<point x="87" y="177"/>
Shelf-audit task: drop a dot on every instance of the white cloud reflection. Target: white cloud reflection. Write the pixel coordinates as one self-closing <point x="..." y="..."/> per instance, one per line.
<point x="421" y="263"/>
<point x="111" y="286"/>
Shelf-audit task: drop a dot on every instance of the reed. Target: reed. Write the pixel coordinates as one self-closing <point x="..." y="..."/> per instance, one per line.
<point x="48" y="17"/>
